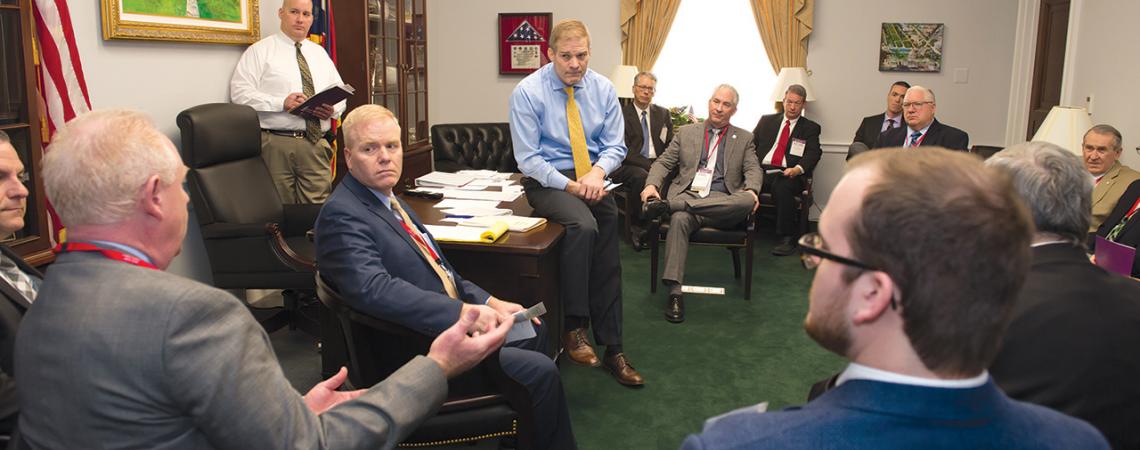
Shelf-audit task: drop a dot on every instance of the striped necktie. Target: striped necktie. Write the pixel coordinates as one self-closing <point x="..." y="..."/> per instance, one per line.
<point x="427" y="252"/>
<point x="312" y="126"/>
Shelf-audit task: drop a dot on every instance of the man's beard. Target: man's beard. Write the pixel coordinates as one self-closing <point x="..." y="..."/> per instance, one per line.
<point x="829" y="329"/>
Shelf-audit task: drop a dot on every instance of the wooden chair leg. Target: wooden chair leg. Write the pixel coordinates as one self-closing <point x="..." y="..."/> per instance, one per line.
<point x="735" y="261"/>
<point x="654" y="242"/>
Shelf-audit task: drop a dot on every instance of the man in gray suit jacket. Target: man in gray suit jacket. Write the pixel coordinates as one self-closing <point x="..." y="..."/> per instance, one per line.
<point x="716" y="183"/>
<point x="118" y="353"/>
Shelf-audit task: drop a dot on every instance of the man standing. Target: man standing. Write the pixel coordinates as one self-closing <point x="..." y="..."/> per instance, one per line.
<point x="1065" y="347"/>
<point x="922" y="129"/>
<point x="275" y="75"/>
<point x="918" y="329"/>
<point x="118" y="352"/>
<point x="385" y="264"/>
<point x="788" y="148"/>
<point x="567" y="131"/>
<point x="18" y="280"/>
<point x="1101" y="147"/>
<point x="717" y="183"/>
<point x="872" y="126"/>
<point x="648" y="131"/>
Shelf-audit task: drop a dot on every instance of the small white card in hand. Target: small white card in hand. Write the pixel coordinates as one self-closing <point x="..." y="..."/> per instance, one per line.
<point x="523" y="329"/>
<point x="798" y="147"/>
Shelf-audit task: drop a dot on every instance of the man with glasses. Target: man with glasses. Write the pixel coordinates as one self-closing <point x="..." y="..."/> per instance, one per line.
<point x="1101" y="148"/>
<point x="648" y="130"/>
<point x="918" y="261"/>
<point x="787" y="146"/>
<point x="922" y="129"/>
<point x="1067" y="346"/>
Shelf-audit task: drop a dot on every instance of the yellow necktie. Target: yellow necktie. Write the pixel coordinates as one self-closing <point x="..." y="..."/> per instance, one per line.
<point x="577" y="136"/>
<point x="427" y="253"/>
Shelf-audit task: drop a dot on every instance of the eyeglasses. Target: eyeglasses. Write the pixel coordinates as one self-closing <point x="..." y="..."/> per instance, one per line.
<point x="916" y="104"/>
<point x="646" y="88"/>
<point x="812" y="255"/>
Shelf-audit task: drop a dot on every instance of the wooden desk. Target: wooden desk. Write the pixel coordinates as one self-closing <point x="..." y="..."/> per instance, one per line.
<point x="519" y="267"/>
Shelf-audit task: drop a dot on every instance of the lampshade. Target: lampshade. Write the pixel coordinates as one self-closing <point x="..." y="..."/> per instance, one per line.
<point x="622" y="78"/>
<point x="1066" y="127"/>
<point x="789" y="76"/>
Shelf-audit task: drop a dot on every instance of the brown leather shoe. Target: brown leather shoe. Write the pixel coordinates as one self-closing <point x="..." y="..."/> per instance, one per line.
<point x="578" y="348"/>
<point x="619" y="367"/>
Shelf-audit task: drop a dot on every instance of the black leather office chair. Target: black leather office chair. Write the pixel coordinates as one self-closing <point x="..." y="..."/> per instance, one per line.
<point x="459" y="146"/>
<point x="253" y="241"/>
<point x="483" y="403"/>
<point x="741" y="237"/>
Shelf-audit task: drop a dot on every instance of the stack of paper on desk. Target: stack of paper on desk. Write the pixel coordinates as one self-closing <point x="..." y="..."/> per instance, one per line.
<point x="443" y="180"/>
<point x="505" y="196"/>
<point x="485" y="235"/>
<point x="486" y="174"/>
<point x="518" y="224"/>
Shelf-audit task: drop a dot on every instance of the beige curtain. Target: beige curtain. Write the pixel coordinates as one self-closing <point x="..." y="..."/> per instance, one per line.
<point x="644" y="26"/>
<point x="784" y="27"/>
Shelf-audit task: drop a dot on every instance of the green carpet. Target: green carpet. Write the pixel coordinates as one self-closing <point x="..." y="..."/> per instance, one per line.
<point x="728" y="353"/>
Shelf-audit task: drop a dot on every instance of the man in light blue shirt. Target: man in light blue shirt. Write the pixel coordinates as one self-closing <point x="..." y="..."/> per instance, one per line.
<point x="568" y="188"/>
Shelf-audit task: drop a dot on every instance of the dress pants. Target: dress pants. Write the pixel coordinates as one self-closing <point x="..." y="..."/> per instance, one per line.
<point x="784" y="191"/>
<point x="590" y="272"/>
<point x="525" y="363"/>
<point x="690" y="213"/>
<point x="301" y="170"/>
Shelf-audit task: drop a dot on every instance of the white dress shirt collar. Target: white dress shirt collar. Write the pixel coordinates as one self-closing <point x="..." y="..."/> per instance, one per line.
<point x="860" y="372"/>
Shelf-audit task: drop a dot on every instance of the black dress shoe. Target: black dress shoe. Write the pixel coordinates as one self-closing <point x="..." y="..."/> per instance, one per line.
<point x="787" y="246"/>
<point x="675" y="311"/>
<point x="654" y="209"/>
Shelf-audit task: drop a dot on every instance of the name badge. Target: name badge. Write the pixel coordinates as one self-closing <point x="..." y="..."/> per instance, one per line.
<point x="702" y="182"/>
<point x="664" y="133"/>
<point x="798" y="147"/>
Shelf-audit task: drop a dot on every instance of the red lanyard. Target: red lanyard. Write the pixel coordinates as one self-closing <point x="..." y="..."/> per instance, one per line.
<point x="709" y="150"/>
<point x="420" y="240"/>
<point x="108" y="253"/>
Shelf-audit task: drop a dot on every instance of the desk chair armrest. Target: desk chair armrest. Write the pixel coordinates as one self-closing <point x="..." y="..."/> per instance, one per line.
<point x="285" y="253"/>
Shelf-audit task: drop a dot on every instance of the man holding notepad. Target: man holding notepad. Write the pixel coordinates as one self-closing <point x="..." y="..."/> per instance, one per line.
<point x="385" y="263"/>
<point x="276" y="75"/>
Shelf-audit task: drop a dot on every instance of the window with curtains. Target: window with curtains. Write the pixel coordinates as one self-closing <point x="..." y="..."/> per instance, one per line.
<point x="713" y="42"/>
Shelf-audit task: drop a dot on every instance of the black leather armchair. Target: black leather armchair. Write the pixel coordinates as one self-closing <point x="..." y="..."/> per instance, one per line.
<point x="483" y="403"/>
<point x="253" y="241"/>
<point x="460" y="146"/>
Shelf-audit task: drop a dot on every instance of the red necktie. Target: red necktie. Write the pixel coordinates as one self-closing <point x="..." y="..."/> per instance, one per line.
<point x="778" y="157"/>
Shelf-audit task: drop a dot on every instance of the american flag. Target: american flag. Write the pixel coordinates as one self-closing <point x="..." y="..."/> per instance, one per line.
<point x="323" y="32"/>
<point x="525" y="32"/>
<point x="62" y="87"/>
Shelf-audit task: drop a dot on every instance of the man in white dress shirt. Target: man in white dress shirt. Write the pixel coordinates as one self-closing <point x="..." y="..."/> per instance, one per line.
<point x="275" y="75"/>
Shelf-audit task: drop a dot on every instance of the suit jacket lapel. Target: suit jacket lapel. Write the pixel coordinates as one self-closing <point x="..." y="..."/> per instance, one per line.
<point x="376" y="207"/>
<point x="1105" y="183"/>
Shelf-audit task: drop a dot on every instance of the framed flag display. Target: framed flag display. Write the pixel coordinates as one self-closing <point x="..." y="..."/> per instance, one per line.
<point x="523" y="40"/>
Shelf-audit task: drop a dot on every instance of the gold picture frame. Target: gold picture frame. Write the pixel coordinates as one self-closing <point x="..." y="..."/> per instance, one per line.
<point x="210" y="21"/>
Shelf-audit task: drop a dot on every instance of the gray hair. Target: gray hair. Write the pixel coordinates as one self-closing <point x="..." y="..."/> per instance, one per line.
<point x="98" y="162"/>
<point x="1105" y="128"/>
<point x="735" y="94"/>
<point x="928" y="94"/>
<point x="1053" y="183"/>
<point x="644" y="74"/>
<point x="796" y="89"/>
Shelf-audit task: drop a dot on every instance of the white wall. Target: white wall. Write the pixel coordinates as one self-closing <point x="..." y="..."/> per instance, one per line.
<point x="843" y="57"/>
<point x="1107" y="67"/>
<point x="160" y="79"/>
<point x="463" y="56"/>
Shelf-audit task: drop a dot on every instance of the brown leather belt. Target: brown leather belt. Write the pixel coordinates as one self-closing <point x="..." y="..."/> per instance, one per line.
<point x="287" y="133"/>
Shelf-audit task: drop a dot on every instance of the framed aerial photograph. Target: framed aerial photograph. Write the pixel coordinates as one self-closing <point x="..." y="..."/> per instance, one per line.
<point x="213" y="21"/>
<point x="523" y="40"/>
<point x="911" y="47"/>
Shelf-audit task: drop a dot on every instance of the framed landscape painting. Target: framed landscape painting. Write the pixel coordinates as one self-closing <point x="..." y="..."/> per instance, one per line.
<point x="911" y="47"/>
<point x="214" y="21"/>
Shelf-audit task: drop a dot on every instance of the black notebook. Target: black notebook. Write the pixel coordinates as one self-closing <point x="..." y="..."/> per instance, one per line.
<point x="331" y="96"/>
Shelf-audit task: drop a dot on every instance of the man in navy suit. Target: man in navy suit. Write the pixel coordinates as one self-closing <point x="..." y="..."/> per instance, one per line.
<point x="872" y="126"/>
<point x="18" y="280"/>
<point x="922" y="129"/>
<point x="648" y="131"/>
<point x="787" y="146"/>
<point x="918" y="261"/>
<point x="378" y="254"/>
